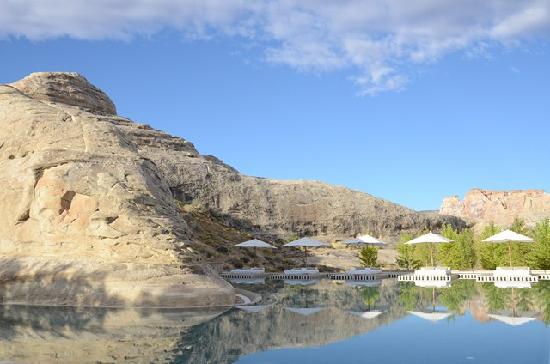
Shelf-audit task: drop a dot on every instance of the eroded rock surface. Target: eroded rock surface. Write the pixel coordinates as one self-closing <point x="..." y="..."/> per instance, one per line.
<point x="499" y="207"/>
<point x="79" y="198"/>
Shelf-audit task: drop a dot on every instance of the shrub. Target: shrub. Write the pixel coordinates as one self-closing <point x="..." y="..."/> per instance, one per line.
<point x="539" y="257"/>
<point x="368" y="256"/>
<point x="406" y="254"/>
<point x="459" y="254"/>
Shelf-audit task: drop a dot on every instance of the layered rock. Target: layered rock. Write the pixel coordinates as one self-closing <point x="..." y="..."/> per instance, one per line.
<point x="499" y="207"/>
<point x="80" y="203"/>
<point x="274" y="208"/>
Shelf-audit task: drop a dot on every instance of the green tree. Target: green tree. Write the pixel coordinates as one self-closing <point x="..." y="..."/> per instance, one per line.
<point x="406" y="254"/>
<point x="411" y="297"/>
<point x="368" y="256"/>
<point x="422" y="253"/>
<point x="489" y="255"/>
<point x="461" y="253"/>
<point x="518" y="226"/>
<point x="496" y="298"/>
<point x="408" y="296"/>
<point x="520" y="252"/>
<point x="539" y="257"/>
<point x="371" y="295"/>
<point x="457" y="295"/>
<point x="542" y="294"/>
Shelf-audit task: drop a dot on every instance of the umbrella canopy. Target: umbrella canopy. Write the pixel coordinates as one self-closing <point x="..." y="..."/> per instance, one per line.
<point x="431" y="316"/>
<point x="304" y="311"/>
<point x="254" y="243"/>
<point x="513" y="321"/>
<point x="369" y="315"/>
<point x="508" y="236"/>
<point x="365" y="239"/>
<point x="307" y="243"/>
<point x="252" y="309"/>
<point x="431" y="239"/>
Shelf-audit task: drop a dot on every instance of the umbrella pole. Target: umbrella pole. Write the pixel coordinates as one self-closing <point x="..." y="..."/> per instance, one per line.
<point x="254" y="258"/>
<point x="305" y="256"/>
<point x="510" y="252"/>
<point x="432" y="254"/>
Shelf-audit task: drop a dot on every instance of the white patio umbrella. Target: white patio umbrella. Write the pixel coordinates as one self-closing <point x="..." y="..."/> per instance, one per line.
<point x="513" y="321"/>
<point x="307" y="243"/>
<point x="431" y="316"/>
<point x="304" y="311"/>
<point x="508" y="236"/>
<point x="431" y="239"/>
<point x="365" y="239"/>
<point x="255" y="243"/>
<point x="369" y="315"/>
<point x="253" y="309"/>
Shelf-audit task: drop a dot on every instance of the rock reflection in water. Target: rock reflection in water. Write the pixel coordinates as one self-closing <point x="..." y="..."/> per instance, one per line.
<point x="287" y="317"/>
<point x="91" y="335"/>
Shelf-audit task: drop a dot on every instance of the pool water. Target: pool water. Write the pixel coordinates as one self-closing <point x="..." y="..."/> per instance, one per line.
<point x="325" y="322"/>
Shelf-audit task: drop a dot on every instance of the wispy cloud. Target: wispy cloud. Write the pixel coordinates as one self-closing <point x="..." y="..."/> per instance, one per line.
<point x="379" y="40"/>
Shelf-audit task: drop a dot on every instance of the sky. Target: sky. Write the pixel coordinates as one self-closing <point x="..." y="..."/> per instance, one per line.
<point x="408" y="101"/>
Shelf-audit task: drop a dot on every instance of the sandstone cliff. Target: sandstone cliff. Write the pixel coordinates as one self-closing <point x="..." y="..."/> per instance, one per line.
<point x="500" y="207"/>
<point x="93" y="199"/>
<point x="86" y="219"/>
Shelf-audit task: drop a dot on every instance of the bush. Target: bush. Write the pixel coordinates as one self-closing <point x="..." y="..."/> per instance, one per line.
<point x="222" y="249"/>
<point x="490" y="256"/>
<point x="460" y="254"/>
<point x="539" y="257"/>
<point x="368" y="256"/>
<point x="406" y="254"/>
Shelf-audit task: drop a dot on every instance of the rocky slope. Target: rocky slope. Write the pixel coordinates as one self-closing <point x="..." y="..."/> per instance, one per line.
<point x="272" y="208"/>
<point x="93" y="199"/>
<point x="500" y="207"/>
<point x="86" y="219"/>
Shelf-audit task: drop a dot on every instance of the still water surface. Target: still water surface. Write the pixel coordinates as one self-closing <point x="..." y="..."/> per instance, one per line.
<point x="327" y="322"/>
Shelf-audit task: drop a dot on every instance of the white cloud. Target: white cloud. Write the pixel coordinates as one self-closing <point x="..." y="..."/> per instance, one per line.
<point x="379" y="40"/>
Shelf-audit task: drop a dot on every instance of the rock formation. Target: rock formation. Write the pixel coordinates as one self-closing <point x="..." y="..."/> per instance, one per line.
<point x="94" y="199"/>
<point x="82" y="210"/>
<point x="499" y="207"/>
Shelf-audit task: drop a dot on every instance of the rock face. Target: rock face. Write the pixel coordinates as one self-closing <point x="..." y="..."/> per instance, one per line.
<point x="500" y="207"/>
<point x="81" y="206"/>
<point x="92" y="197"/>
<point x="66" y="88"/>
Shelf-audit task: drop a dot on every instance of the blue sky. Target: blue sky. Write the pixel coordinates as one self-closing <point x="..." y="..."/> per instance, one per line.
<point x="413" y="125"/>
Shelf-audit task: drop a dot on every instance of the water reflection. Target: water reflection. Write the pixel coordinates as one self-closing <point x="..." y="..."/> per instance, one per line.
<point x="294" y="320"/>
<point x="69" y="335"/>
